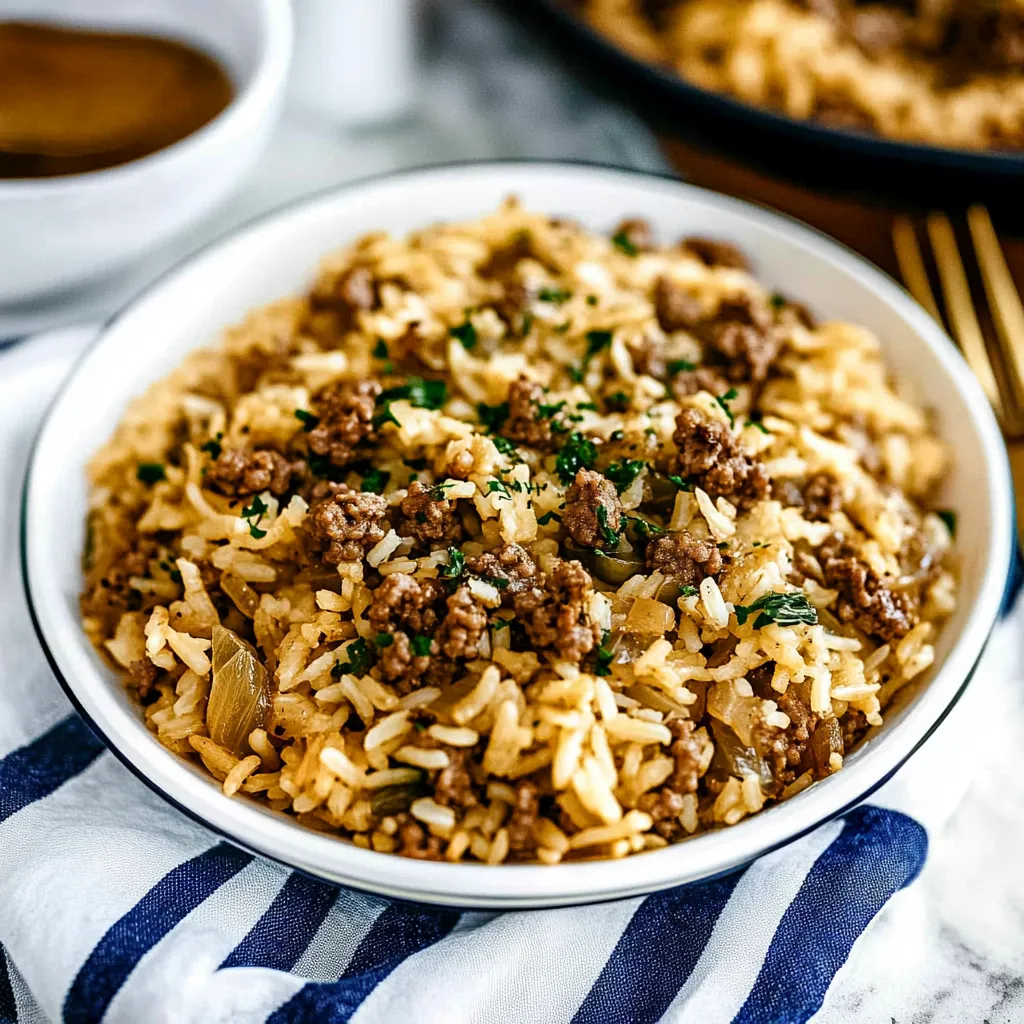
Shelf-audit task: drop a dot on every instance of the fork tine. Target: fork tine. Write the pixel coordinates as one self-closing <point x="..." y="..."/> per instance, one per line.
<point x="959" y="306"/>
<point x="1003" y="298"/>
<point x="908" y="256"/>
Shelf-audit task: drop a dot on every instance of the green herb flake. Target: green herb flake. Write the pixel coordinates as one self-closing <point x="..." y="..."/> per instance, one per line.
<point x="424" y="394"/>
<point x="616" y="435"/>
<point x="492" y="417"/>
<point x="624" y="472"/>
<point x="687" y="591"/>
<point x="466" y="333"/>
<point x="777" y="301"/>
<point x="384" y="416"/>
<point x="724" y="400"/>
<point x="591" y="300"/>
<point x="547" y="518"/>
<point x="621" y="242"/>
<point x="587" y="406"/>
<point x="498" y="487"/>
<point x="527" y="325"/>
<point x="644" y="527"/>
<point x="577" y="453"/>
<point x="421" y="645"/>
<point x="380" y="350"/>
<point x="545" y="412"/>
<point x="257" y="510"/>
<point x="948" y="516"/>
<point x="619" y="401"/>
<point x="175" y="575"/>
<point x="787" y="609"/>
<point x="501" y="623"/>
<point x="213" y="447"/>
<point x="604" y="656"/>
<point x="683" y="485"/>
<point x="597" y="341"/>
<point x="309" y="421"/>
<point x="374" y="481"/>
<point x="680" y="366"/>
<point x="383" y="639"/>
<point x="418" y="464"/>
<point x="456" y="564"/>
<point x="358" y="663"/>
<point x="505" y="446"/>
<point x="556" y="295"/>
<point x="151" y="473"/>
<point x="609" y="535"/>
<point x="757" y="423"/>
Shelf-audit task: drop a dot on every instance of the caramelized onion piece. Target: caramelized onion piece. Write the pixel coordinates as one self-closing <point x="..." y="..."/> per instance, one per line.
<point x="738" y="759"/>
<point x="826" y="740"/>
<point x="239" y="695"/>
<point x="735" y="710"/>
<point x="394" y="799"/>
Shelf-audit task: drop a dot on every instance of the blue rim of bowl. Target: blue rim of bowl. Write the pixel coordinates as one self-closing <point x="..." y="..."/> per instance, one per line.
<point x="649" y="75"/>
<point x="1010" y="574"/>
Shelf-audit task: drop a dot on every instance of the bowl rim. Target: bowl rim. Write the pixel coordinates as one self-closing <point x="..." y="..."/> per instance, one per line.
<point x="523" y="886"/>
<point x="255" y="94"/>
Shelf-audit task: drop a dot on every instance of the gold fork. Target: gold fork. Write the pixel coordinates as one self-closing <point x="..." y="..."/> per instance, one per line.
<point x="1003" y="380"/>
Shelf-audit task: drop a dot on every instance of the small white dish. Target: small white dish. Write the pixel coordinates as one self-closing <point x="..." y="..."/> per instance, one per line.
<point x="57" y="234"/>
<point x="279" y="254"/>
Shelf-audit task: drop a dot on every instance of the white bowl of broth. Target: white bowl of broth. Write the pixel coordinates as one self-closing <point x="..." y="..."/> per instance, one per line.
<point x="123" y="125"/>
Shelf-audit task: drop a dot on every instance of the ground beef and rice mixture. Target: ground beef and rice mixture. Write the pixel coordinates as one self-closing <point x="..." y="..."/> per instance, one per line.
<point x="945" y="72"/>
<point x="513" y="542"/>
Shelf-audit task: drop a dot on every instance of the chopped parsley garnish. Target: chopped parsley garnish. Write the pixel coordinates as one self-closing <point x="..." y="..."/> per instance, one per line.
<point x="587" y="406"/>
<point x="501" y="623"/>
<point x="621" y="242"/>
<point x="680" y="366"/>
<point x="492" y="417"/>
<point x="421" y="645"/>
<point x="456" y="564"/>
<point x="424" y="394"/>
<point x="723" y="545"/>
<point x="383" y="416"/>
<point x="724" y="400"/>
<point x="466" y="333"/>
<point x="608" y="535"/>
<point x="383" y="639"/>
<point x="309" y="421"/>
<point x="948" y="516"/>
<point x="545" y="412"/>
<point x="604" y="657"/>
<point x="505" y="446"/>
<point x="556" y="295"/>
<point x="380" y="350"/>
<point x="437" y="491"/>
<point x="644" y="528"/>
<point x="623" y="473"/>
<point x="789" y="609"/>
<point x="616" y="435"/>
<point x="562" y="328"/>
<point x="617" y="402"/>
<point x="358" y="660"/>
<point x="527" y="324"/>
<point x="498" y="487"/>
<point x="687" y="591"/>
<point x="756" y="423"/>
<point x="591" y="300"/>
<point x="257" y="510"/>
<point x="495" y="581"/>
<point x="683" y="485"/>
<point x="417" y="464"/>
<point x="547" y="517"/>
<point x="777" y="301"/>
<point x="175" y="575"/>
<point x="213" y="447"/>
<point x="374" y="481"/>
<point x="597" y="341"/>
<point x="151" y="472"/>
<point x="577" y="453"/>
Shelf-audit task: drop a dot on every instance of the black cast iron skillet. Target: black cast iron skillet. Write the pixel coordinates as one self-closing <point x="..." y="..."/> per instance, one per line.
<point x="846" y="162"/>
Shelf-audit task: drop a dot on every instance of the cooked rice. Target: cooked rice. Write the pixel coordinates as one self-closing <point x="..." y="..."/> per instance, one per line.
<point x="644" y="708"/>
<point x="949" y="74"/>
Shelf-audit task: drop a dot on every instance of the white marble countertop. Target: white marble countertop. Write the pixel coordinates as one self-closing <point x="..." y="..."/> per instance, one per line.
<point x="951" y="946"/>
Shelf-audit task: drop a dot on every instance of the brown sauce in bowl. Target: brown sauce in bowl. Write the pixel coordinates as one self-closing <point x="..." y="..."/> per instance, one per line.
<point x="73" y="101"/>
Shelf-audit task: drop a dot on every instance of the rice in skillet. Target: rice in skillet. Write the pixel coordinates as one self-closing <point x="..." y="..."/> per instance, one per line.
<point x="513" y="542"/>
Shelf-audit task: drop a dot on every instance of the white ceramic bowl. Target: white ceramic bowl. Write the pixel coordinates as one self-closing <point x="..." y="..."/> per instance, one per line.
<point x="279" y="254"/>
<point x="59" y="233"/>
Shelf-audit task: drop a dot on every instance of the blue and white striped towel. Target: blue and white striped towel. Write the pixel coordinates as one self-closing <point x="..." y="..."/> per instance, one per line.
<point x="114" y="907"/>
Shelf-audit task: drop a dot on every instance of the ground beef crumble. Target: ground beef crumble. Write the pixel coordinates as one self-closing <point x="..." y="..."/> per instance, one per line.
<point x="684" y="558"/>
<point x="704" y="378"/>
<point x="636" y="234"/>
<point x="428" y="515"/>
<point x="346" y="420"/>
<point x="525" y="423"/>
<point x="554" y="612"/>
<point x="354" y="292"/>
<point x="463" y="626"/>
<point x="865" y="599"/>
<point x="822" y="496"/>
<point x="347" y="523"/>
<point x="511" y="563"/>
<point x="415" y="841"/>
<point x="454" y="785"/>
<point x="593" y="512"/>
<point x="714" y="253"/>
<point x="404" y="603"/>
<point x="675" y="307"/>
<point x="523" y="819"/>
<point x="238" y="472"/>
<point x="741" y="332"/>
<point x="710" y="457"/>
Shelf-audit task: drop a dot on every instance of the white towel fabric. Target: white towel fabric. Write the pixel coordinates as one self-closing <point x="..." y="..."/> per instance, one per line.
<point x="114" y="906"/>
